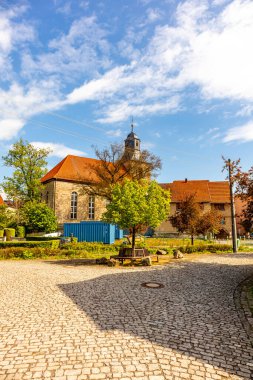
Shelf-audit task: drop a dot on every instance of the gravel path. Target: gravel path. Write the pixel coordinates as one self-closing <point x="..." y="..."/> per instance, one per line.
<point x="88" y="322"/>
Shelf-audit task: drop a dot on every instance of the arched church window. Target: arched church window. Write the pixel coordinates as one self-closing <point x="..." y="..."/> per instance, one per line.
<point x="73" y="205"/>
<point x="47" y="197"/>
<point x="91" y="207"/>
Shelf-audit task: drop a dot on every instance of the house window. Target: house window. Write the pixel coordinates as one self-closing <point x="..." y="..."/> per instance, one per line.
<point x="178" y="206"/>
<point x="219" y="206"/>
<point x="223" y="221"/>
<point x="73" y="212"/>
<point x="47" y="197"/>
<point x="91" y="207"/>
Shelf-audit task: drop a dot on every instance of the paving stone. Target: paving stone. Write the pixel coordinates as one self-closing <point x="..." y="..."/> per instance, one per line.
<point x="65" y="322"/>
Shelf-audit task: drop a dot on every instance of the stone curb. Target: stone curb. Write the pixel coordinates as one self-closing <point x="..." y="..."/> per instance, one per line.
<point x="243" y="301"/>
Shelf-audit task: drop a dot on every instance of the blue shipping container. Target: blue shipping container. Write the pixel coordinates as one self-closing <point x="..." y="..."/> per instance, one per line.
<point x="91" y="231"/>
<point x="118" y="233"/>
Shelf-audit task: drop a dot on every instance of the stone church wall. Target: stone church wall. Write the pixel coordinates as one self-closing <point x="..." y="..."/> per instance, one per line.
<point x="57" y="194"/>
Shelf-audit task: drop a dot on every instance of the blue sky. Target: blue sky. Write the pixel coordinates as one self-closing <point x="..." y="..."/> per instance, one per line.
<point x="73" y="73"/>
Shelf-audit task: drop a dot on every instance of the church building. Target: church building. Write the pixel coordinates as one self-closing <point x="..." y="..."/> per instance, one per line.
<point x="66" y="186"/>
<point x="67" y="191"/>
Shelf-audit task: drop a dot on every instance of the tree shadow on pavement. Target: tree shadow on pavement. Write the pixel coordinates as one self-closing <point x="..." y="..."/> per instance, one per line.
<point x="191" y="321"/>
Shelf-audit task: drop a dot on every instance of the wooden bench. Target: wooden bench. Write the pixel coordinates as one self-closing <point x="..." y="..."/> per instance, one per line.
<point x="125" y="253"/>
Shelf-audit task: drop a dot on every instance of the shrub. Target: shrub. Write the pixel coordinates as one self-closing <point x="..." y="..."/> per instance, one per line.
<point x="20" y="231"/>
<point x="55" y="244"/>
<point x="38" y="217"/>
<point x="1" y="233"/>
<point x="26" y="244"/>
<point x="27" y="254"/>
<point x="9" y="233"/>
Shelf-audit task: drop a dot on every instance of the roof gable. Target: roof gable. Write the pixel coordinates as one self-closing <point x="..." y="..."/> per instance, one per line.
<point x="74" y="168"/>
<point x="1" y="201"/>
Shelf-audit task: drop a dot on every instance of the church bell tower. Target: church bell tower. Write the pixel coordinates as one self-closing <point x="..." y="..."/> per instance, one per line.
<point x="132" y="145"/>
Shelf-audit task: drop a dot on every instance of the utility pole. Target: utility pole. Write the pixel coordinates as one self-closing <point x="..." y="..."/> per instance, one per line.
<point x="234" y="234"/>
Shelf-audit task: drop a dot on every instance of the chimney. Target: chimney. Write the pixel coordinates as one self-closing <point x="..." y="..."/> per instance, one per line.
<point x="186" y="180"/>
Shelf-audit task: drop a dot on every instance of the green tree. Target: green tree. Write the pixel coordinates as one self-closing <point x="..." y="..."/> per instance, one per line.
<point x="29" y="165"/>
<point x="136" y="204"/>
<point x="4" y="217"/>
<point x="38" y="217"/>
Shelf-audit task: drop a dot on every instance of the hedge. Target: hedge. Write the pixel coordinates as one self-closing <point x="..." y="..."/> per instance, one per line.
<point x="27" y="244"/>
<point x="31" y="253"/>
<point x="42" y="238"/>
<point x="92" y="247"/>
<point x="206" y="248"/>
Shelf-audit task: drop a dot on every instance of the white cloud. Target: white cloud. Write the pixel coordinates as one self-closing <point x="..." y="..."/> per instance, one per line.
<point x="153" y="14"/>
<point x="58" y="150"/>
<point x="82" y="51"/>
<point x="122" y="110"/>
<point x="9" y="128"/>
<point x="243" y="133"/>
<point x="114" y="132"/>
<point x="207" y="51"/>
<point x="64" y="9"/>
<point x="212" y="130"/>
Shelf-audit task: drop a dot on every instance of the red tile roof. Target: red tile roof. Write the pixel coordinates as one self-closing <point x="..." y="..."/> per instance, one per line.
<point x="81" y="169"/>
<point x="74" y="168"/>
<point x="204" y="190"/>
<point x="1" y="200"/>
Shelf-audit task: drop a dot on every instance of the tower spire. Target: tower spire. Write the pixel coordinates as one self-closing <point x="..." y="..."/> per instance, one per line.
<point x="132" y="143"/>
<point x="132" y="124"/>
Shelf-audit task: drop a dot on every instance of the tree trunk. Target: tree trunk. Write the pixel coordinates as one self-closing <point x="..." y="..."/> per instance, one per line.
<point x="133" y="240"/>
<point x="192" y="239"/>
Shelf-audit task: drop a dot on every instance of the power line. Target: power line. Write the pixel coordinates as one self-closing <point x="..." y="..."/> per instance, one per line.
<point x="75" y="121"/>
<point x="63" y="131"/>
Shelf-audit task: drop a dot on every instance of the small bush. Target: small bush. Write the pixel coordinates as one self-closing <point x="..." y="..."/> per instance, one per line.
<point x="9" y="233"/>
<point x="27" y="254"/>
<point x="20" y="231"/>
<point x="1" y="233"/>
<point x="55" y="244"/>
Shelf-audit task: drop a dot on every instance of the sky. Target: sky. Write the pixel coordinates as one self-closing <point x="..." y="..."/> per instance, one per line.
<point x="74" y="73"/>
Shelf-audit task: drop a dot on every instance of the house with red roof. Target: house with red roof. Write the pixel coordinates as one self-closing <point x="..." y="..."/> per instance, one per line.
<point x="67" y="183"/>
<point x="210" y="195"/>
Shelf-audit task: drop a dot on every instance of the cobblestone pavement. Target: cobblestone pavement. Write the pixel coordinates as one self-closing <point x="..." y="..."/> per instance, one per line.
<point x="88" y="322"/>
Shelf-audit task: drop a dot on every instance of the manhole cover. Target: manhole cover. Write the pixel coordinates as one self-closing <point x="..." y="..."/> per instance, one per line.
<point x="153" y="285"/>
